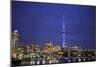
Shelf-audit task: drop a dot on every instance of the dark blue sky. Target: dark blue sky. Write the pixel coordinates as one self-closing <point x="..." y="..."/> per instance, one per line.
<point x="42" y="22"/>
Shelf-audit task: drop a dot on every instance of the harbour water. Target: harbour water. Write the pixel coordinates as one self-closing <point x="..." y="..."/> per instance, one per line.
<point x="52" y="61"/>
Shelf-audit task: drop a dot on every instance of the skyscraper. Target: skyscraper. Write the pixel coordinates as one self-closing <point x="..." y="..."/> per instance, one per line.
<point x="15" y="39"/>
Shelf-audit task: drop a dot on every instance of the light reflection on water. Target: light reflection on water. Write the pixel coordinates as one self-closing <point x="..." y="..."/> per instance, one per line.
<point x="55" y="61"/>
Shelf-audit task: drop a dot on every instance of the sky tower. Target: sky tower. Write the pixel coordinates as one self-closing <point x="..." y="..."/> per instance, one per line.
<point x="63" y="32"/>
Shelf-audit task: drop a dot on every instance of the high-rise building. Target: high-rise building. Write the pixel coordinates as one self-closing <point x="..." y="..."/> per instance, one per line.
<point x="15" y="39"/>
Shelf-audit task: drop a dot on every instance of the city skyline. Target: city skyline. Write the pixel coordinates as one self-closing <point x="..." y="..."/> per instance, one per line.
<point x="42" y="22"/>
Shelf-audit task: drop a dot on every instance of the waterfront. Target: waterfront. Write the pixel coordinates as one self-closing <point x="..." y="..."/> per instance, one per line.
<point x="57" y="61"/>
<point x="49" y="53"/>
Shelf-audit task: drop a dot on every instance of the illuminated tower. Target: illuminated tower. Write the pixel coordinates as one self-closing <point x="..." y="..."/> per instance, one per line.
<point x="15" y="39"/>
<point x="63" y="32"/>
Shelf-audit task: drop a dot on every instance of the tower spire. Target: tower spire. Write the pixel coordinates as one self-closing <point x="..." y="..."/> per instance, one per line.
<point x="63" y="31"/>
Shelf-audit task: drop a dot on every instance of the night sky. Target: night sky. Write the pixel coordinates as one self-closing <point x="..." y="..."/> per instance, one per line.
<point x="41" y="22"/>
